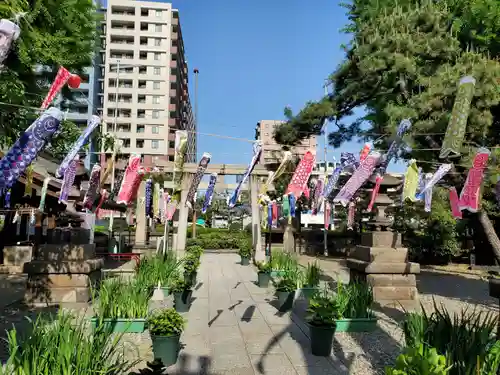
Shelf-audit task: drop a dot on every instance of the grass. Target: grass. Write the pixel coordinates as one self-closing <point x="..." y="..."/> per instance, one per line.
<point x="158" y="269"/>
<point x="64" y="345"/>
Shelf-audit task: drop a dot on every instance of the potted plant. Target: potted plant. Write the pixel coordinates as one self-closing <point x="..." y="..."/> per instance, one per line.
<point x="191" y="264"/>
<point x="311" y="280"/>
<point x="182" y="295"/>
<point x="245" y="251"/>
<point x="354" y="303"/>
<point x="165" y="327"/>
<point x="264" y="274"/>
<point x="122" y="305"/>
<point x="321" y="318"/>
<point x="285" y="291"/>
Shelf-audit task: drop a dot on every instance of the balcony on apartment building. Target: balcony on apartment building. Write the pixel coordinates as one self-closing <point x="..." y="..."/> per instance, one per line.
<point x="120" y="113"/>
<point x="121" y="28"/>
<point x="119" y="12"/>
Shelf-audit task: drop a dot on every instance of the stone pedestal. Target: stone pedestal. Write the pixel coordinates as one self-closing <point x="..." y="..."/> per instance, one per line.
<point x="381" y="261"/>
<point x="62" y="273"/>
<point x="14" y="258"/>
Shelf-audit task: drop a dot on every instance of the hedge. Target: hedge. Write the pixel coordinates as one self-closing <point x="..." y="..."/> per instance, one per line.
<point x="209" y="238"/>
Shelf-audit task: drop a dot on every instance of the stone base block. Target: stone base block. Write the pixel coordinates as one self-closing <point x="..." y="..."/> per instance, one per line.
<point x="17" y="255"/>
<point x="380" y="254"/>
<point x="402" y="268"/>
<point x="54" y="296"/>
<point x="63" y="267"/>
<point x="381" y="239"/>
<point x="66" y="252"/>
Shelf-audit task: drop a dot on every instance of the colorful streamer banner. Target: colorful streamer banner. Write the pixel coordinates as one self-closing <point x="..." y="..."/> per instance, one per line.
<point x="43" y="195"/>
<point x="181" y="138"/>
<point x="365" y="151"/>
<point x="94" y="185"/>
<point x="410" y="181"/>
<point x="293" y="202"/>
<point x="318" y="196"/>
<point x="298" y="183"/>
<point x="27" y="147"/>
<point x="347" y="159"/>
<point x="351" y="211"/>
<point x="69" y="179"/>
<point x="470" y="194"/>
<point x="119" y="175"/>
<point x="209" y="194"/>
<point x="92" y="124"/>
<point x="9" y="32"/>
<point x="8" y="195"/>
<point x="427" y="193"/>
<point x="29" y="180"/>
<point x="200" y="172"/>
<point x="455" y="209"/>
<point x="457" y="126"/>
<point x="396" y="144"/>
<point x="327" y="215"/>
<point x="287" y="158"/>
<point x="56" y="87"/>
<point x="358" y="178"/>
<point x="149" y="198"/>
<point x="436" y="177"/>
<point x="257" y="150"/>
<point x="125" y="195"/>
<point x="156" y="200"/>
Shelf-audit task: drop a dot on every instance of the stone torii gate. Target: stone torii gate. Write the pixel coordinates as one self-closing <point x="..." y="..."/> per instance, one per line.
<point x="254" y="180"/>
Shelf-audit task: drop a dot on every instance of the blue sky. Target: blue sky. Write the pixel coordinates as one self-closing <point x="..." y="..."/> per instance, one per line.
<point x="256" y="57"/>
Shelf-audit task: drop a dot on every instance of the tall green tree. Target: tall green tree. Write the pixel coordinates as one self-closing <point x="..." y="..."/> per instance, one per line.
<point x="405" y="61"/>
<point x="53" y="34"/>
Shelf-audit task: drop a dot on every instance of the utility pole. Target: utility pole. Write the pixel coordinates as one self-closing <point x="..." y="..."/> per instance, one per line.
<point x="325" y="129"/>
<point x="196" y="72"/>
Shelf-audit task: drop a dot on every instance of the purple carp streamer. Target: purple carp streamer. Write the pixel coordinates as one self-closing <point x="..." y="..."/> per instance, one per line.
<point x="9" y="32"/>
<point x="347" y="159"/>
<point x="120" y="174"/>
<point x="27" y="147"/>
<point x="200" y="172"/>
<point x="149" y="198"/>
<point x="94" y="184"/>
<point x="436" y="177"/>
<point x="7" y="199"/>
<point x="68" y="180"/>
<point x="209" y="194"/>
<point x="92" y="124"/>
<point x="455" y="132"/>
<point x="318" y="196"/>
<point x="257" y="150"/>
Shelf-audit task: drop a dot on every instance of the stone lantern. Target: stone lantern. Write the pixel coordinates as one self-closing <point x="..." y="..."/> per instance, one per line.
<point x="380" y="259"/>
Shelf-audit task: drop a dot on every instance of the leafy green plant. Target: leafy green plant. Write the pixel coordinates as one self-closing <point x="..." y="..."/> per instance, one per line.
<point x="245" y="247"/>
<point x="166" y="322"/>
<point x="121" y="299"/>
<point x="420" y="360"/>
<point x="64" y="345"/>
<point x="323" y="310"/>
<point x="354" y="300"/>
<point x="179" y="285"/>
<point x="467" y="339"/>
<point x="282" y="261"/>
<point x="191" y="263"/>
<point x="264" y="267"/>
<point x="157" y="269"/>
<point x="195" y="250"/>
<point x="312" y="275"/>
<point x="285" y="284"/>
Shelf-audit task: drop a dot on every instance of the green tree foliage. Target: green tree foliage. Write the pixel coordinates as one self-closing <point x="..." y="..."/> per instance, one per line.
<point x="405" y="61"/>
<point x="53" y="34"/>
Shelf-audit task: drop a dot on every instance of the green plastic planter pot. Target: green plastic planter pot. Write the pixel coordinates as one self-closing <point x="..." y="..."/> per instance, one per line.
<point x="356" y="325"/>
<point x="166" y="349"/>
<point x="285" y="300"/>
<point x="182" y="300"/>
<point x="308" y="292"/>
<point x="245" y="261"/>
<point x="190" y="278"/>
<point x="321" y="340"/>
<point x="263" y="279"/>
<point x="278" y="273"/>
<point x="121" y="325"/>
<point x="165" y="291"/>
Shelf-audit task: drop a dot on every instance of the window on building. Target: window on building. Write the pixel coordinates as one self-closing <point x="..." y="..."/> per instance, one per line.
<point x="155" y="129"/>
<point x="155" y="143"/>
<point x="158" y="28"/>
<point x="158" y="13"/>
<point x="171" y="144"/>
<point x="170" y="157"/>
<point x="157" y="42"/>
<point x="156" y="85"/>
<point x="141" y="128"/>
<point x="156" y="100"/>
<point x="139" y="143"/>
<point x="156" y="114"/>
<point x="156" y="71"/>
<point x="157" y="56"/>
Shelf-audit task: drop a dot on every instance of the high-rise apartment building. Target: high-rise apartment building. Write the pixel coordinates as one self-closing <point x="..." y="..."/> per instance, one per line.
<point x="144" y="86"/>
<point x="272" y="151"/>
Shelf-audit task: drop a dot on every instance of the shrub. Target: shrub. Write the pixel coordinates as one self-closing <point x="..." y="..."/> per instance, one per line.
<point x="245" y="248"/>
<point x="166" y="322"/>
<point x="420" y="361"/>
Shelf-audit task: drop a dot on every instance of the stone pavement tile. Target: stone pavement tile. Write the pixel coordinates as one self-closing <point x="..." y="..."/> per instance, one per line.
<point x="260" y="344"/>
<point x="190" y="363"/>
<point x="222" y="317"/>
<point x="272" y="364"/>
<point x="359" y="364"/>
<point x="234" y="346"/>
<point x="290" y="331"/>
<point x="300" y="355"/>
<point x="247" y="311"/>
<point x="239" y="294"/>
<point x="230" y="362"/>
<point x="219" y="334"/>
<point x="254" y="289"/>
<point x="308" y="370"/>
<point x="263" y="297"/>
<point x="344" y="342"/>
<point x="235" y="371"/>
<point x="196" y="327"/>
<point x="254" y="327"/>
<point x="273" y="316"/>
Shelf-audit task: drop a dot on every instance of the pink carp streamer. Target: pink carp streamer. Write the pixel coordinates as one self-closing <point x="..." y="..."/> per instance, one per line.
<point x="9" y="32"/>
<point x="126" y="193"/>
<point x="358" y="178"/>
<point x="470" y="194"/>
<point x="455" y="209"/>
<point x="94" y="184"/>
<point x="56" y="87"/>
<point x="69" y="179"/>
<point x="327" y="215"/>
<point x="298" y="184"/>
<point x="365" y="151"/>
